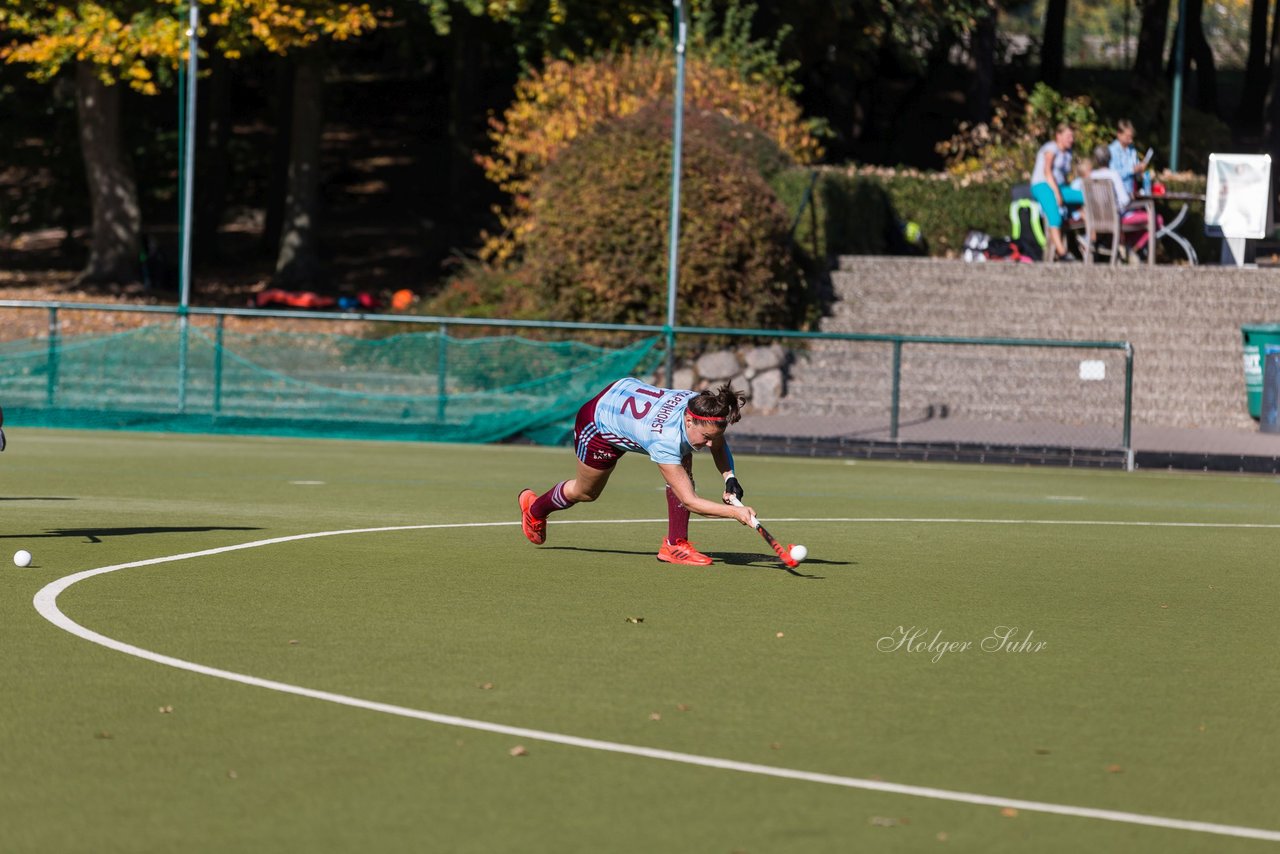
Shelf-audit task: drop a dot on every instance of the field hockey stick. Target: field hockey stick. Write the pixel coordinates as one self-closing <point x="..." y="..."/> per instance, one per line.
<point x="780" y="550"/>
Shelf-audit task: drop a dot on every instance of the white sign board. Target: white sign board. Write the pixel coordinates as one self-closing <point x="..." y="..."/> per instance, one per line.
<point x="1093" y="369"/>
<point x="1238" y="196"/>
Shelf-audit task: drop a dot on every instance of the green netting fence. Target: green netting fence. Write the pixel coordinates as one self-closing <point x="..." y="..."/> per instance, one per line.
<point x="423" y="386"/>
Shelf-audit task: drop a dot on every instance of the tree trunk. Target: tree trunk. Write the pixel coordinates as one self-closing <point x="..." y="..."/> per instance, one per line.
<point x="1200" y="53"/>
<point x="982" y="50"/>
<point x="277" y="178"/>
<point x="1271" y="105"/>
<point x="117" y="219"/>
<point x="1151" y="38"/>
<point x="463" y="94"/>
<point x="1054" y="44"/>
<point x="212" y="166"/>
<point x="298" y="262"/>
<point x="1254" y="91"/>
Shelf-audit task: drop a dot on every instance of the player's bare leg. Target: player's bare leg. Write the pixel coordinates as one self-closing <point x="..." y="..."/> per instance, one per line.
<point x="534" y="509"/>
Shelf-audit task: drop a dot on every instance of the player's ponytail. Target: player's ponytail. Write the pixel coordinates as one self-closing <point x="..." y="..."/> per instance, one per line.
<point x="721" y="404"/>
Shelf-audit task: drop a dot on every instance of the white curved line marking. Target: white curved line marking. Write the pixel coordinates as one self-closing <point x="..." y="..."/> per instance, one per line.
<point x="46" y="603"/>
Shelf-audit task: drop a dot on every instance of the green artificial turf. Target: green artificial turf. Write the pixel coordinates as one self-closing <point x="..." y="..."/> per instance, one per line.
<point x="1147" y="682"/>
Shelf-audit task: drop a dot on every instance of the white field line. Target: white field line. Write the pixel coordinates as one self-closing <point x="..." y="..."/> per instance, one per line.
<point x="957" y="521"/>
<point x="46" y="603"/>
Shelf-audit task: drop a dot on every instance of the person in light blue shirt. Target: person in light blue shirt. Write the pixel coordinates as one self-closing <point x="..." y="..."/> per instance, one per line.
<point x="1051" y="188"/>
<point x="1124" y="157"/>
<point x="668" y="425"/>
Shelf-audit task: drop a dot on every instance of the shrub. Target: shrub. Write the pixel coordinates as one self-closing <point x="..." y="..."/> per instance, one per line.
<point x="1006" y="146"/>
<point x="599" y="251"/>
<point x="478" y="290"/>
<point x="1150" y="110"/>
<point x="565" y="100"/>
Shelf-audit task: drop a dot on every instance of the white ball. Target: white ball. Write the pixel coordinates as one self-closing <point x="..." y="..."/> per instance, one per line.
<point x="22" y="557"/>
<point x="799" y="553"/>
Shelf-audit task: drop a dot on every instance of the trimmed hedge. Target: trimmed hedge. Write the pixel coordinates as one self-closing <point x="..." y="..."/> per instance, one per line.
<point x="835" y="213"/>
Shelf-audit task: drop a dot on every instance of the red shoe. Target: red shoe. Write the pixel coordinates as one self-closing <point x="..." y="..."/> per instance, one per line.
<point x="535" y="529"/>
<point x="682" y="551"/>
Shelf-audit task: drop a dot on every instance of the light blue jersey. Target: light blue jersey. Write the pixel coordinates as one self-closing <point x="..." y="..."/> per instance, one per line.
<point x="634" y="416"/>
<point x="1124" y="159"/>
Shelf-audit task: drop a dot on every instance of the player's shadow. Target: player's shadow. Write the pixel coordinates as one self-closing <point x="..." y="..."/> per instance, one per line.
<point x="594" y="551"/>
<point x="36" y="498"/>
<point x="759" y="561"/>
<point x="95" y="535"/>
<point x="743" y="559"/>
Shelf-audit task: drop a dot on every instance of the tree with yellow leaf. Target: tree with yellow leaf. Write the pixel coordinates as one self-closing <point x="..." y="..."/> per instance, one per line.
<point x="727" y="71"/>
<point x="106" y="47"/>
<point x="114" y="43"/>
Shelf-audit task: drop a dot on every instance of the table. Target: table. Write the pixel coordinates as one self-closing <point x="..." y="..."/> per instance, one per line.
<point x="1170" y="228"/>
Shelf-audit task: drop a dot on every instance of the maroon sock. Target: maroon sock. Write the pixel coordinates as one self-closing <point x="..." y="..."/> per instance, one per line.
<point x="551" y="501"/>
<point x="677" y="518"/>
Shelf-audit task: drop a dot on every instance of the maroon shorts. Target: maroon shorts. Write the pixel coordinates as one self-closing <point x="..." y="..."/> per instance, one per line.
<point x="590" y="446"/>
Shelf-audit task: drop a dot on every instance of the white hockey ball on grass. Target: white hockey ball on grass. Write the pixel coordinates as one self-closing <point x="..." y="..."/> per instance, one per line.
<point x="799" y="553"/>
<point x="22" y="557"/>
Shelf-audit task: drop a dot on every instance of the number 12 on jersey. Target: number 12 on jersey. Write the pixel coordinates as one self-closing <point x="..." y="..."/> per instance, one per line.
<point x="640" y="410"/>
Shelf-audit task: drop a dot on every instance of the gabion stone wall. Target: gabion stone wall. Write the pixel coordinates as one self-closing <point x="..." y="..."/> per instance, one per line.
<point x="1183" y="322"/>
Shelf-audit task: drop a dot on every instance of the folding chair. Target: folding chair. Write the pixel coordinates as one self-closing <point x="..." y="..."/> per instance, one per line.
<point x="1102" y="216"/>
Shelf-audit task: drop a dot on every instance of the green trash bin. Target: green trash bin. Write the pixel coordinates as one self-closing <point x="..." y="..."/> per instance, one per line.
<point x="1256" y="337"/>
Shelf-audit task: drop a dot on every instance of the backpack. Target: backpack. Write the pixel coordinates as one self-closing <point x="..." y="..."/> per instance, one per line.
<point x="1026" y="229"/>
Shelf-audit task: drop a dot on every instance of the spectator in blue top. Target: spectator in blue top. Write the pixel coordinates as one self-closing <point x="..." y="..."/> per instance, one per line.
<point x="1050" y="187"/>
<point x="1124" y="157"/>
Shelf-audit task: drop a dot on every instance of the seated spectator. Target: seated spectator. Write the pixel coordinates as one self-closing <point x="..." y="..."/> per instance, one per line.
<point x="1083" y="172"/>
<point x="1124" y="157"/>
<point x="1050" y="188"/>
<point x="1102" y="169"/>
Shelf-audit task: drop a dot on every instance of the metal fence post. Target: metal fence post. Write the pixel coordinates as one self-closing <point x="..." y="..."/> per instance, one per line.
<point x="51" y="368"/>
<point x="217" y="367"/>
<point x="897" y="388"/>
<point x="184" y="323"/>
<point x="1127" y="441"/>
<point x="442" y="369"/>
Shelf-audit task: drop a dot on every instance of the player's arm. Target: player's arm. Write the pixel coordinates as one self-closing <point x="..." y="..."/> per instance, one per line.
<point x="678" y="479"/>
<point x="723" y="458"/>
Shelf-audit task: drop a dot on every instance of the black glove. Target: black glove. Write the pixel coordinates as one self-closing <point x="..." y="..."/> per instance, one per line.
<point x="732" y="486"/>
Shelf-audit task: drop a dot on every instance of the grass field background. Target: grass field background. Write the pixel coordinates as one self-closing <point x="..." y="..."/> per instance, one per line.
<point x="1154" y="691"/>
